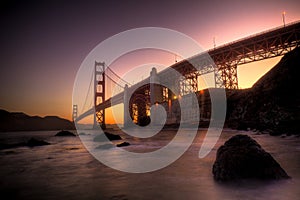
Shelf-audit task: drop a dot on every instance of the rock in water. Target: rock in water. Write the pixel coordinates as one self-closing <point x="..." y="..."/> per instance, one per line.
<point x="30" y="143"/>
<point x="123" y="144"/>
<point x="105" y="146"/>
<point x="112" y="136"/>
<point x="65" y="133"/>
<point x="35" y="142"/>
<point x="99" y="138"/>
<point x="241" y="157"/>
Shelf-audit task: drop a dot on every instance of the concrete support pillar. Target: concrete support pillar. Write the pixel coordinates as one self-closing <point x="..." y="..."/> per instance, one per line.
<point x="156" y="96"/>
<point x="156" y="90"/>
<point x="127" y="118"/>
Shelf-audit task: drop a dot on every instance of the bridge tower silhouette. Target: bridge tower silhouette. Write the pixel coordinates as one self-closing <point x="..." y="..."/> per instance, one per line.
<point x="75" y="112"/>
<point x="99" y="93"/>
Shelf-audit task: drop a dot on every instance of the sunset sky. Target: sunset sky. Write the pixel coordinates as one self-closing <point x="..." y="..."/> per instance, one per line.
<point x="43" y="43"/>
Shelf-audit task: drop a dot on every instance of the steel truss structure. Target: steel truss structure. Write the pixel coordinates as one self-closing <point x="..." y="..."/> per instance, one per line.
<point x="188" y="84"/>
<point x="269" y="44"/>
<point x="223" y="61"/>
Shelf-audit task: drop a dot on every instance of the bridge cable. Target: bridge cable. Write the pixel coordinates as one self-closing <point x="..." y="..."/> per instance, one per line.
<point x="86" y="97"/>
<point x="118" y="76"/>
<point x="113" y="81"/>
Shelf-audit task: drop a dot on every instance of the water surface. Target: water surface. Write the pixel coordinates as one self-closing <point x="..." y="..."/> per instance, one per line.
<point x="65" y="170"/>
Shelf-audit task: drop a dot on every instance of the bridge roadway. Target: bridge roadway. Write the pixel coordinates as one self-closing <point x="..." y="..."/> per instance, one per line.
<point x="223" y="60"/>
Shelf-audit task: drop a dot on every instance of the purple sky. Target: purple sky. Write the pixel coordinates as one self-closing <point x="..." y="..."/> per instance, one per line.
<point x="44" y="42"/>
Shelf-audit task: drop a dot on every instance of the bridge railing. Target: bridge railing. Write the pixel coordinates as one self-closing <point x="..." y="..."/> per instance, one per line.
<point x="254" y="35"/>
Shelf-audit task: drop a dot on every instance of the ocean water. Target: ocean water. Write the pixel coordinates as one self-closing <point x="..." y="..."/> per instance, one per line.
<point x="66" y="170"/>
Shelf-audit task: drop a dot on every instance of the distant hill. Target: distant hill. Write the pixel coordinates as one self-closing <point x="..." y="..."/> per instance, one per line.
<point x="18" y="121"/>
<point x="273" y="103"/>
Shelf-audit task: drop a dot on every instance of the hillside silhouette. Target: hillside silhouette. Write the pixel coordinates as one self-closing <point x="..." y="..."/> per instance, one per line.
<point x="273" y="102"/>
<point x="18" y="121"/>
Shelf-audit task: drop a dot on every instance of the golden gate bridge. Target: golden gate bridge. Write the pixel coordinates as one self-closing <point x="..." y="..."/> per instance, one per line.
<point x="222" y="62"/>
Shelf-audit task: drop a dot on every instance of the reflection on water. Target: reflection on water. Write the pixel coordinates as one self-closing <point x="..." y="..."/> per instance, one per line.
<point x="66" y="170"/>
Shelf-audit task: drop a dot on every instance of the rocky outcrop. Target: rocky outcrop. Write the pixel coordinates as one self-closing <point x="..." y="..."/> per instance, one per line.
<point x="272" y="104"/>
<point x="105" y="146"/>
<point x="32" y="142"/>
<point x="65" y="133"/>
<point x="241" y="157"/>
<point x="123" y="144"/>
<point x="110" y="136"/>
<point x="35" y="142"/>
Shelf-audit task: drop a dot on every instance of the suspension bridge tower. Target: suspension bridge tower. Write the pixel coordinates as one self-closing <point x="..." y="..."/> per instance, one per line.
<point x="99" y="91"/>
<point x="75" y="112"/>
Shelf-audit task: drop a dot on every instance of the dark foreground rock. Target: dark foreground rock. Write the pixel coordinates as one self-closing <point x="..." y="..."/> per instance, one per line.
<point x="30" y="143"/>
<point x="241" y="157"/>
<point x="35" y="142"/>
<point x="100" y="138"/>
<point x="123" y="144"/>
<point x="82" y="133"/>
<point x="65" y="133"/>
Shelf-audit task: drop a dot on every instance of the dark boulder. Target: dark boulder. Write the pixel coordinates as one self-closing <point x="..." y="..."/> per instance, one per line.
<point x="144" y="121"/>
<point x="32" y="142"/>
<point x="100" y="138"/>
<point x="83" y="133"/>
<point x="65" y="133"/>
<point x="112" y="136"/>
<point x="9" y="146"/>
<point x="35" y="142"/>
<point x="123" y="144"/>
<point x="241" y="157"/>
